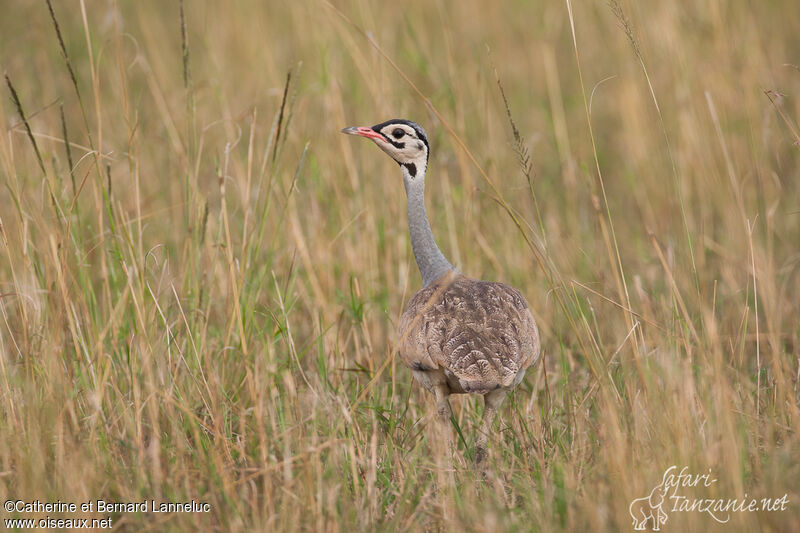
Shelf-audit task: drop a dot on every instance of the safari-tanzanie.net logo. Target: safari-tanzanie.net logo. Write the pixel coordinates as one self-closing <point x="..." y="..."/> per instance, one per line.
<point x="674" y="495"/>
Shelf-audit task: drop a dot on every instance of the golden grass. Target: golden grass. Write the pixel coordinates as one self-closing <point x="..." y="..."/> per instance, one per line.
<point x="200" y="277"/>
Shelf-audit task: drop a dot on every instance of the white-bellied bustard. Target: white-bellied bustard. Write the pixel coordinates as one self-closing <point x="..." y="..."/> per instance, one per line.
<point x="457" y="335"/>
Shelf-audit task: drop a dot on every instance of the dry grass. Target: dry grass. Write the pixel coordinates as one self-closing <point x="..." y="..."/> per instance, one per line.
<point x="199" y="289"/>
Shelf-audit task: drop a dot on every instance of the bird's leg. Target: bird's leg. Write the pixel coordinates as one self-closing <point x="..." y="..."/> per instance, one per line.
<point x="444" y="413"/>
<point x="491" y="402"/>
<point x="442" y="405"/>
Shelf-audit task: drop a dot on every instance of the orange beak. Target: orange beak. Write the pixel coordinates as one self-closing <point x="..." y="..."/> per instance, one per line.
<point x="369" y="133"/>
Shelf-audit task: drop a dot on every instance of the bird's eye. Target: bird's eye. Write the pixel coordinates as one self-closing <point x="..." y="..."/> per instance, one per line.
<point x="398" y="133"/>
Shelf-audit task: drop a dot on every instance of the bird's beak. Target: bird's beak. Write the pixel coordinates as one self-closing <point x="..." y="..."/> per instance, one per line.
<point x="369" y="133"/>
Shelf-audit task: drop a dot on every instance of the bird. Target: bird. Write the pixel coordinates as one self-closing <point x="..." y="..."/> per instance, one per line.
<point x="457" y="335"/>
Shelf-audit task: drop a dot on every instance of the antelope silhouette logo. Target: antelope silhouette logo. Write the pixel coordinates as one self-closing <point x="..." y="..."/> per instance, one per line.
<point x="650" y="508"/>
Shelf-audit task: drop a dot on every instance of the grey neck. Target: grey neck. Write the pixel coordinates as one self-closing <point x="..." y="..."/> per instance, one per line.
<point x="430" y="260"/>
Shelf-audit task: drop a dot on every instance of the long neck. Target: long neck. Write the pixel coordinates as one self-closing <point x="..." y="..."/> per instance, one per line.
<point x="430" y="260"/>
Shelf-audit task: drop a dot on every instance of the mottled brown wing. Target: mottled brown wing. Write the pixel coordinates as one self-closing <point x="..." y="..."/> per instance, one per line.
<point x="481" y="332"/>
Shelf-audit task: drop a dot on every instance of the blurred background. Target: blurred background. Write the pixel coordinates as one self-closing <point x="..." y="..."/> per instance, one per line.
<point x="200" y="278"/>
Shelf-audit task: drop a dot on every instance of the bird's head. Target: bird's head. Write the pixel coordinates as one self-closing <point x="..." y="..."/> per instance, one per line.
<point x="403" y="140"/>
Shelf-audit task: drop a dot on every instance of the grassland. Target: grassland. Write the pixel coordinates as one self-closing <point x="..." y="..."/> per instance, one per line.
<point x="200" y="277"/>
